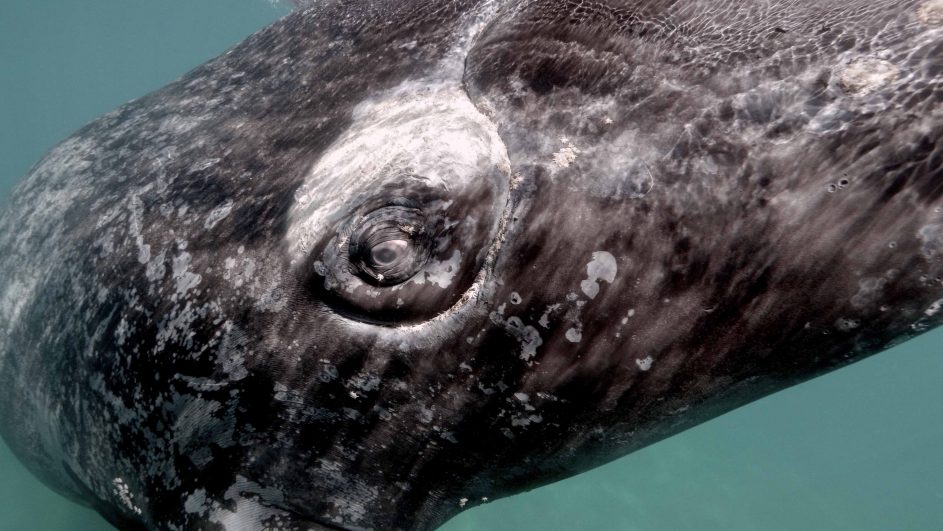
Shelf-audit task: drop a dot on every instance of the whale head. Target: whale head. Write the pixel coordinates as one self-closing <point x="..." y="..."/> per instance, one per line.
<point x="385" y="261"/>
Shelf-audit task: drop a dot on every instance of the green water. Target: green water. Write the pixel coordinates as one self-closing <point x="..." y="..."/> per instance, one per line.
<point x="859" y="449"/>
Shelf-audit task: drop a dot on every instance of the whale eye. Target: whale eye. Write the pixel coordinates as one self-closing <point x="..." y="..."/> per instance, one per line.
<point x="404" y="253"/>
<point x="389" y="253"/>
<point x="390" y="245"/>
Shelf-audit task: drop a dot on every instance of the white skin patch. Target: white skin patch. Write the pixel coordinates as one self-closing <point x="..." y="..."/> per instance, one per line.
<point x="574" y="335"/>
<point x="602" y="267"/>
<point x="218" y="214"/>
<point x="520" y="421"/>
<point x="251" y="508"/>
<point x="931" y="12"/>
<point x="931" y="238"/>
<point x="124" y="494"/>
<point x="440" y="273"/>
<point x="528" y="335"/>
<point x="645" y="363"/>
<point x="195" y="502"/>
<point x="867" y="74"/>
<point x="184" y="279"/>
<point x="530" y="341"/>
<point x="934" y="308"/>
<point x="13" y="299"/>
<point x="135" y="226"/>
<point x="565" y="156"/>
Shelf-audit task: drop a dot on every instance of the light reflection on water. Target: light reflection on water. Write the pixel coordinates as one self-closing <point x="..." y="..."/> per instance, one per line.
<point x="858" y="449"/>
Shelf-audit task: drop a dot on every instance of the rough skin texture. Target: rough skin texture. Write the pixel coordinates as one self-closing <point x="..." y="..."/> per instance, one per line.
<point x="632" y="217"/>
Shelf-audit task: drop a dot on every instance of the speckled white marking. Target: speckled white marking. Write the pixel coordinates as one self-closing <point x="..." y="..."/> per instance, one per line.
<point x="565" y="156"/>
<point x="545" y="318"/>
<point x="123" y="492"/>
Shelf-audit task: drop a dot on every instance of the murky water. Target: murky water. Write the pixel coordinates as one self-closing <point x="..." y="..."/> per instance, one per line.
<point x="859" y="449"/>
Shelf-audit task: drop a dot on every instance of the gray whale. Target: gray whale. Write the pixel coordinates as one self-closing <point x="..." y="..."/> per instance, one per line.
<point x="256" y="370"/>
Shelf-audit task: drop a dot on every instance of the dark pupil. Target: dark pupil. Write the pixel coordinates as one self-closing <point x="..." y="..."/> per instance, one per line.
<point x="389" y="246"/>
<point x="384" y="255"/>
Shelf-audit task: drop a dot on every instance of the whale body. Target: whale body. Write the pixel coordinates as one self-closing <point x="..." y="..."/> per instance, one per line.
<point x="385" y="261"/>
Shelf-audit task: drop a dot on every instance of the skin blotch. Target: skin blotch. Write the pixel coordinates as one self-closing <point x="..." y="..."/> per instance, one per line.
<point x="867" y="74"/>
<point x="602" y="268"/>
<point x="931" y="12"/>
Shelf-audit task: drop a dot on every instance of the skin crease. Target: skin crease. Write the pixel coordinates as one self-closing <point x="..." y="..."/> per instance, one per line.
<point x="689" y="206"/>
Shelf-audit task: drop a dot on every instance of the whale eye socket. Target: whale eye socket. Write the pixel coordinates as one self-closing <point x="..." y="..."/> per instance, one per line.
<point x="390" y="245"/>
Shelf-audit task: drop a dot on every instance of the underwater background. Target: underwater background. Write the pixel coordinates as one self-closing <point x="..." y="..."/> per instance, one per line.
<point x="859" y="449"/>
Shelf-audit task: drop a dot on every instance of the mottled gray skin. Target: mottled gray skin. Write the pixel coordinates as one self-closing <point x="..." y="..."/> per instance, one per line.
<point x="655" y="211"/>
